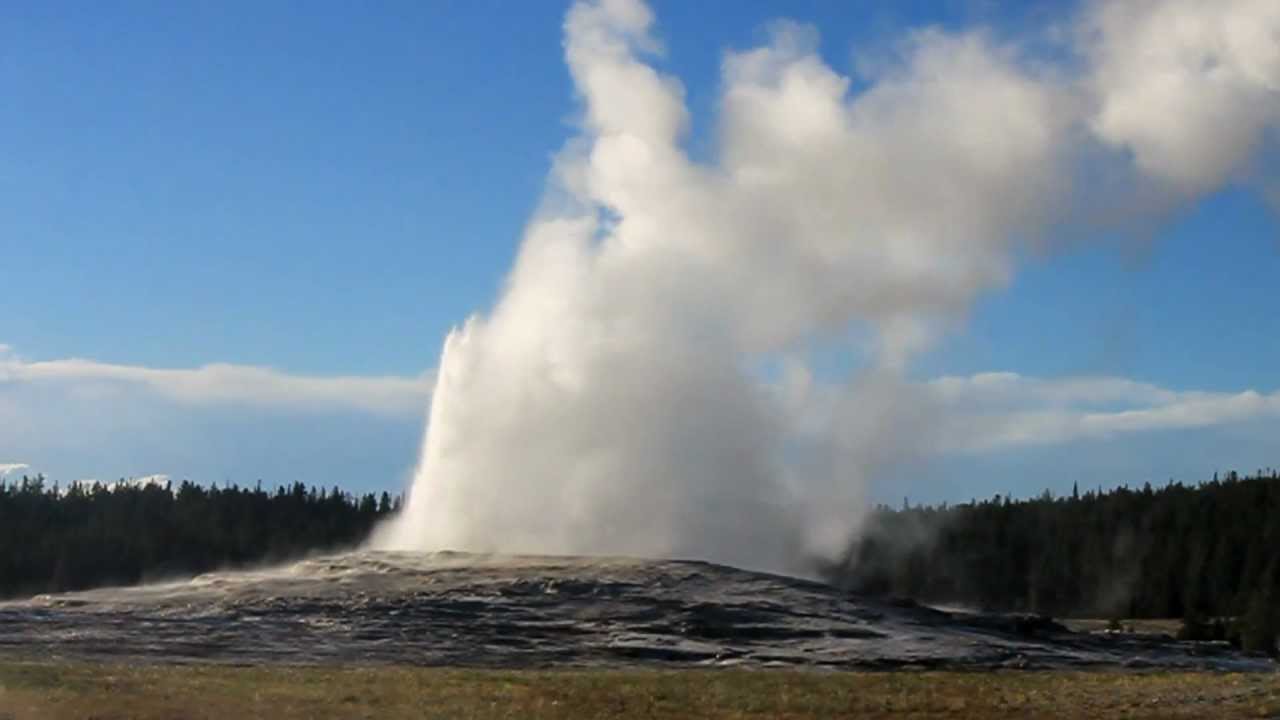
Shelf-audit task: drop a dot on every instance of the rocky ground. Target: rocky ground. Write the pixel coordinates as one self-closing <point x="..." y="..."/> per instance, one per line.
<point x="513" y="612"/>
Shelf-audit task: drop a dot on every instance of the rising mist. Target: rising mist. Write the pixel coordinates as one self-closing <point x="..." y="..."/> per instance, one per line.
<point x="644" y="384"/>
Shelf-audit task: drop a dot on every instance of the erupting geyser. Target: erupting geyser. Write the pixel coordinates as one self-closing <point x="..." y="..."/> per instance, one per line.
<point x="642" y="387"/>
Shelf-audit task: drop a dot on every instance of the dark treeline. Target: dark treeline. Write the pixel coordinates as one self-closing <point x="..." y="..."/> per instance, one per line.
<point x="1194" y="552"/>
<point x="54" y="539"/>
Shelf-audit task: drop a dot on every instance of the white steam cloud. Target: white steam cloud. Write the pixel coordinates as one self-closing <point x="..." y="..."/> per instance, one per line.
<point x="1189" y="87"/>
<point x="643" y="384"/>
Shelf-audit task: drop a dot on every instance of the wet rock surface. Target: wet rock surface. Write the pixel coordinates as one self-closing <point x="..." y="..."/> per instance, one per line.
<point x="503" y="611"/>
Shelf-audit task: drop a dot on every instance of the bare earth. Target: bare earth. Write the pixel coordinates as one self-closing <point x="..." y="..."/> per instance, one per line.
<point x="215" y="692"/>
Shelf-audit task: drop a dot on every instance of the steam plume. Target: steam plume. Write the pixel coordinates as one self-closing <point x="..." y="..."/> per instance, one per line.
<point x="642" y="385"/>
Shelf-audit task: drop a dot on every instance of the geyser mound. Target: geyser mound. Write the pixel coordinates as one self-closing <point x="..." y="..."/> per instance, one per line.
<point x="538" y="611"/>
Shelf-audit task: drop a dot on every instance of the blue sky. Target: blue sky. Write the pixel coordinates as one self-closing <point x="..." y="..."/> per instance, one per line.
<point x="325" y="189"/>
<point x="297" y="184"/>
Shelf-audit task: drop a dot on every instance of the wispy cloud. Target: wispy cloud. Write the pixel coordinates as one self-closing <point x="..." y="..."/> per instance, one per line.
<point x="991" y="411"/>
<point x="156" y="480"/>
<point x="973" y="413"/>
<point x="80" y="418"/>
<point x="1013" y="389"/>
<point x="228" y="384"/>
<point x="11" y="468"/>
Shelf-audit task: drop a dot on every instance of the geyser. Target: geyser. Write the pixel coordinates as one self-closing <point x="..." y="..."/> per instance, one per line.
<point x="643" y="384"/>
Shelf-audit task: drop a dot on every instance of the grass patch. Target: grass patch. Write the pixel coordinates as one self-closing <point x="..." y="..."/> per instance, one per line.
<point x="195" y="692"/>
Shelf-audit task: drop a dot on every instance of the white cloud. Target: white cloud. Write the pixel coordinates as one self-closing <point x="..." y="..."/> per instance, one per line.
<point x="990" y="412"/>
<point x="12" y="468"/>
<point x="226" y="384"/>
<point x="86" y="484"/>
<point x="77" y="419"/>
<point x="156" y="480"/>
<point x="80" y="418"/>
<point x="1010" y="388"/>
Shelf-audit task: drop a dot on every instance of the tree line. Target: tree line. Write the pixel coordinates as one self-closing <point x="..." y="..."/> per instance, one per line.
<point x="1204" y="553"/>
<point x="88" y="535"/>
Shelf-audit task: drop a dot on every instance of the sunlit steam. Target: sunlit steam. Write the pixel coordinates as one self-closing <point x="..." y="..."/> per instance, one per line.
<point x="644" y="385"/>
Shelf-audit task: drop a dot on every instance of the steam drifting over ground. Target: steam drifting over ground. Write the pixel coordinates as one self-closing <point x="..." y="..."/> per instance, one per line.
<point x="524" y="612"/>
<point x="643" y="385"/>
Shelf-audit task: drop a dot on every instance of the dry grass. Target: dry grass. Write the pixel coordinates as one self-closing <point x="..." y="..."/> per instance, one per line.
<point x="115" y="692"/>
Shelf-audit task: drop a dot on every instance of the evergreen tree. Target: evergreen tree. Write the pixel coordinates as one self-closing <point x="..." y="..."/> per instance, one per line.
<point x="54" y="539"/>
<point x="1198" y="553"/>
